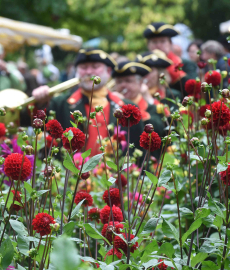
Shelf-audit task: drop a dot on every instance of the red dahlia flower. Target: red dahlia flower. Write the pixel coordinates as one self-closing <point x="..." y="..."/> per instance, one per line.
<point x="81" y="195"/>
<point x="224" y="114"/>
<point x="223" y="176"/>
<point x="54" y="128"/>
<point x="13" y="164"/>
<point x="41" y="114"/>
<point x="17" y="207"/>
<point x="94" y="214"/>
<point x="41" y="223"/>
<point x="162" y="266"/>
<point x="116" y="253"/>
<point x="192" y="87"/>
<point x="49" y="140"/>
<point x="77" y="141"/>
<point x="145" y="141"/>
<point x="201" y="64"/>
<point x="108" y="229"/>
<point x="2" y="130"/>
<point x="229" y="61"/>
<point x="114" y="196"/>
<point x="105" y="214"/>
<point x="131" y="113"/>
<point x="123" y="181"/>
<point x="203" y="110"/>
<point x="212" y="77"/>
<point x="120" y="244"/>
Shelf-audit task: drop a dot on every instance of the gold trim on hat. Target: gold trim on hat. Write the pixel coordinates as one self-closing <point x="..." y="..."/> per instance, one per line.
<point x="162" y="28"/>
<point x="132" y="64"/>
<point x="152" y="28"/>
<point x="102" y="54"/>
<point x="157" y="54"/>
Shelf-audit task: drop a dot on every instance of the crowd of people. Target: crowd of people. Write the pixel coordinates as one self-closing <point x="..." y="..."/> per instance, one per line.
<point x="151" y="81"/>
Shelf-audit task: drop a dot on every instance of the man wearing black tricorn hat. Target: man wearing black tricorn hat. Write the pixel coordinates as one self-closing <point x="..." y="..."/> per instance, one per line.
<point x="159" y="36"/>
<point x="90" y="62"/>
<point x="128" y="83"/>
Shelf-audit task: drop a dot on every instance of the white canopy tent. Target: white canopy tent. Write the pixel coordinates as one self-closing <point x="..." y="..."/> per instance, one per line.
<point x="14" y="34"/>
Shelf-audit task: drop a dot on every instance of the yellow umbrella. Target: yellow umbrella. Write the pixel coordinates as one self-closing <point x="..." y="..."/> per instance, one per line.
<point x="14" y="34"/>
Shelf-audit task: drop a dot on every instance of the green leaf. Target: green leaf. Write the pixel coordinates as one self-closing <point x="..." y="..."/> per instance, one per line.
<point x="164" y="178"/>
<point x="152" y="178"/>
<point x="200" y="257"/>
<point x="18" y="227"/>
<point x="68" y="228"/>
<point x="167" y="249"/>
<point x="196" y="157"/>
<point x="20" y="267"/>
<point x="7" y="253"/>
<point x="150" y="226"/>
<point x="169" y="230"/>
<point x="92" y="163"/>
<point x="202" y="213"/>
<point x="222" y="167"/>
<point x="112" y="165"/>
<point x="69" y="135"/>
<point x="209" y="265"/>
<point x="126" y="166"/>
<point x="76" y="209"/>
<point x="68" y="163"/>
<point x="23" y="245"/>
<point x="28" y="187"/>
<point x="64" y="255"/>
<point x="195" y="225"/>
<point x="215" y="208"/>
<point x="218" y="221"/>
<point x="112" y="180"/>
<point x="73" y="124"/>
<point x="153" y="246"/>
<point x="93" y="232"/>
<point x="40" y="192"/>
<point x="86" y="153"/>
<point x="185" y="211"/>
<point x="10" y="200"/>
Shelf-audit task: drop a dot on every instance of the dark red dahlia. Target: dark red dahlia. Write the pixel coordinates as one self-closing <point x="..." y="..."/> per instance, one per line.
<point x="13" y="164"/>
<point x="81" y="195"/>
<point x="213" y="77"/>
<point x="54" y="128"/>
<point x="49" y="140"/>
<point x="114" y="196"/>
<point x="178" y="66"/>
<point x="105" y="214"/>
<point x="223" y="176"/>
<point x="224" y="113"/>
<point x="201" y="64"/>
<point x="131" y="113"/>
<point x="116" y="252"/>
<point x="77" y="141"/>
<point x="41" y="114"/>
<point x="229" y="61"/>
<point x="94" y="214"/>
<point x="41" y="223"/>
<point x="203" y="110"/>
<point x="121" y="137"/>
<point x="2" y="130"/>
<point x="192" y="87"/>
<point x="17" y="207"/>
<point x="162" y="266"/>
<point x="108" y="229"/>
<point x="190" y="114"/>
<point x="145" y="141"/>
<point x="120" y="244"/>
<point x="123" y="181"/>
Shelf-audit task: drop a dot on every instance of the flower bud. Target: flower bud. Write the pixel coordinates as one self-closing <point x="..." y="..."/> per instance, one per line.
<point x="205" y="87"/>
<point x="29" y="150"/>
<point x="153" y="159"/>
<point x="76" y="114"/>
<point x="197" y="79"/>
<point x="97" y="80"/>
<point x="195" y="141"/>
<point x="33" y="252"/>
<point x="37" y="123"/>
<point x="92" y="115"/>
<point x="2" y="112"/>
<point x="204" y="121"/>
<point x="176" y="115"/>
<point x="11" y="125"/>
<point x="157" y="96"/>
<point x="21" y="129"/>
<point x="149" y="128"/>
<point x="98" y="108"/>
<point x="52" y="113"/>
<point x="118" y="113"/>
<point x="41" y="115"/>
<point x="2" y="160"/>
<point x="225" y="58"/>
<point x="225" y="93"/>
<point x="7" y="141"/>
<point x="25" y="137"/>
<point x="85" y="176"/>
<point x="31" y="107"/>
<point x="208" y="113"/>
<point x="185" y="101"/>
<point x="162" y="76"/>
<point x="131" y="145"/>
<point x="56" y="227"/>
<point x="137" y="153"/>
<point x="147" y="200"/>
<point x="55" y="150"/>
<point x="102" y="148"/>
<point x="224" y="74"/>
<point x="48" y="171"/>
<point x="58" y="169"/>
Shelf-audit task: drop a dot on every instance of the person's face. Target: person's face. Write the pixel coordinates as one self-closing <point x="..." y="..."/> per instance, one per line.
<point x="85" y="71"/>
<point x="161" y="43"/>
<point x="128" y="86"/>
<point x="206" y="55"/>
<point x="152" y="78"/>
<point x="192" y="52"/>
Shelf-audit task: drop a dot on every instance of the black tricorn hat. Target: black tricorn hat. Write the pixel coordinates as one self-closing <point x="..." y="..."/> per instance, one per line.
<point x="127" y="68"/>
<point x="156" y="58"/>
<point x="95" y="55"/>
<point x="160" y="29"/>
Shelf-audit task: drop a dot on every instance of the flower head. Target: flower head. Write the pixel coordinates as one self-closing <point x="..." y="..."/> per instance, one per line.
<point x="17" y="207"/>
<point x="123" y="181"/>
<point x="203" y="110"/>
<point x="116" y="253"/>
<point x="41" y="114"/>
<point x="108" y="229"/>
<point x="94" y="214"/>
<point x="201" y="64"/>
<point x="162" y="266"/>
<point x="49" y="140"/>
<point x="105" y="214"/>
<point x="145" y="141"/>
<point x="13" y="164"/>
<point x="81" y="195"/>
<point x="213" y="77"/>
<point x="224" y="113"/>
<point x="78" y="160"/>
<point x="120" y="244"/>
<point x="114" y="196"/>
<point x="223" y="176"/>
<point x="54" y="128"/>
<point x="136" y="196"/>
<point x="2" y="130"/>
<point x="192" y="87"/>
<point x="131" y="113"/>
<point x="77" y="141"/>
<point x="41" y="223"/>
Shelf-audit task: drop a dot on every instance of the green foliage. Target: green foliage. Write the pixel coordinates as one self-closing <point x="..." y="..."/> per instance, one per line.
<point x="68" y="163"/>
<point x="92" y="163"/>
<point x="7" y="254"/>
